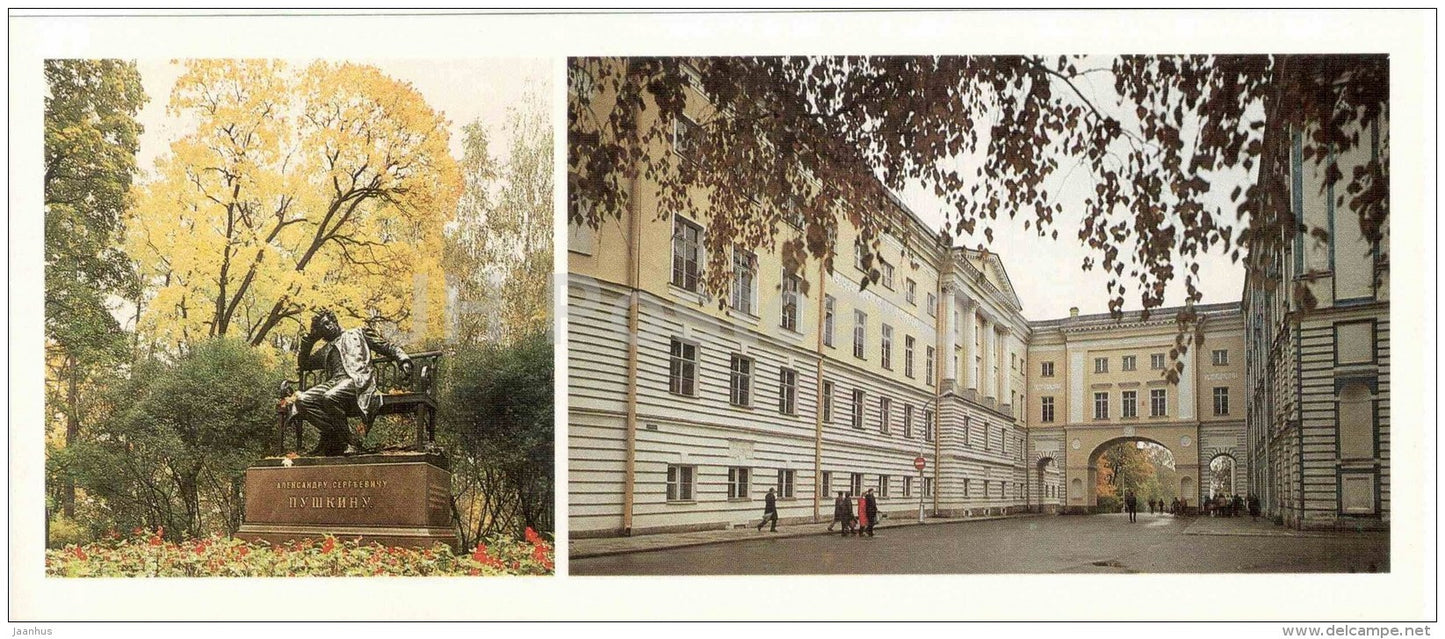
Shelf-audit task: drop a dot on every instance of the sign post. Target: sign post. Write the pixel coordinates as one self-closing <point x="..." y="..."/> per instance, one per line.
<point x="919" y="462"/>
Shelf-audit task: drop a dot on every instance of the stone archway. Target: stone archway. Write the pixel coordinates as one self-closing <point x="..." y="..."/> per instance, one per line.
<point x="1084" y="446"/>
<point x="1050" y="484"/>
<point x="1224" y="475"/>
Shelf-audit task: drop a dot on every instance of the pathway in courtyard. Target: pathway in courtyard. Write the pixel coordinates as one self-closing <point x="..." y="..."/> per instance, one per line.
<point x="1036" y="544"/>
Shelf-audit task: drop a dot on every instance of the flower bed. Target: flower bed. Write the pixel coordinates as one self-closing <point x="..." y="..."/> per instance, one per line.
<point x="146" y="554"/>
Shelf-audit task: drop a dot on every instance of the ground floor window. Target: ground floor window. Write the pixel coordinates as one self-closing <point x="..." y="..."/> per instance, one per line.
<point x="825" y="485"/>
<point x="785" y="484"/>
<point x="965" y="488"/>
<point x="856" y="485"/>
<point x="883" y="481"/>
<point x="907" y="486"/>
<point x="738" y="483"/>
<point x="927" y="486"/>
<point x="679" y="482"/>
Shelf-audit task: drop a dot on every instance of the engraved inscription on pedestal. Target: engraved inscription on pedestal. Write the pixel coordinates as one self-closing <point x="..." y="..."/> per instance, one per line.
<point x="391" y="498"/>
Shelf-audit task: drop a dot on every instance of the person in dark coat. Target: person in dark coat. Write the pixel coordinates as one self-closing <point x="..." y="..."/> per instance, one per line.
<point x="1174" y="507"/>
<point x="840" y="507"/>
<point x="871" y="505"/>
<point x="1131" y="504"/>
<point x="1253" y="507"/>
<point x="847" y="515"/>
<point x="770" y="511"/>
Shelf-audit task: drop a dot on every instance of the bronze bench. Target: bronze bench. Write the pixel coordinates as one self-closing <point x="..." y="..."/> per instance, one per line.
<point x="413" y="394"/>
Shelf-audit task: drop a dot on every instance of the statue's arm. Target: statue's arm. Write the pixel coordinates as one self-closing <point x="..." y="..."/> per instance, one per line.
<point x="305" y="360"/>
<point x="380" y="344"/>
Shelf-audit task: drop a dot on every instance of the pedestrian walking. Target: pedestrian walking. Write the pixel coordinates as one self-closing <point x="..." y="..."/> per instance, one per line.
<point x="1174" y="507"/>
<point x="872" y="508"/>
<point x="862" y="518"/>
<point x="1236" y="507"/>
<point x="847" y="515"/>
<point x="1131" y="505"/>
<point x="839" y="507"/>
<point x="770" y="511"/>
<point x="1253" y="507"/>
<point x="1151" y="505"/>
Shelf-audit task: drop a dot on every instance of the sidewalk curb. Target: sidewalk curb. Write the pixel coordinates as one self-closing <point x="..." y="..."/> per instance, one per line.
<point x="572" y="554"/>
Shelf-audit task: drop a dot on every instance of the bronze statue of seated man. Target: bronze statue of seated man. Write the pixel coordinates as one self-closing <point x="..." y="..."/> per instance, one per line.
<point x="350" y="382"/>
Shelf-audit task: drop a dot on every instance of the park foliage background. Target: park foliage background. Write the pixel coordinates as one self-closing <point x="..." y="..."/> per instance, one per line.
<point x="175" y="294"/>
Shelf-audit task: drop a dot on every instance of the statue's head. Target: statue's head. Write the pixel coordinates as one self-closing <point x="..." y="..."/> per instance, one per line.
<point x="325" y="325"/>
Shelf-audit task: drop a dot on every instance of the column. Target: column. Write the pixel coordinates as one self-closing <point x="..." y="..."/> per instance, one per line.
<point x="986" y="377"/>
<point x="950" y="339"/>
<point x="970" y="324"/>
<point x="1005" y="381"/>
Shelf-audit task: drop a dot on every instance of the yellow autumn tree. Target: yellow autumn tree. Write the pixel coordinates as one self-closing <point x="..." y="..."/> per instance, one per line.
<point x="293" y="189"/>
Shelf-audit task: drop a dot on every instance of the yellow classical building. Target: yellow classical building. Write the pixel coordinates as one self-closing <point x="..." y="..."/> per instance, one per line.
<point x="684" y="410"/>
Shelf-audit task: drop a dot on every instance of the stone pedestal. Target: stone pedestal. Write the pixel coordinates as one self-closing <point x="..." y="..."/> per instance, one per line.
<point x="396" y="499"/>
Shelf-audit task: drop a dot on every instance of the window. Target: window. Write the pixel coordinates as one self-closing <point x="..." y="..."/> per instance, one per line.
<point x="686" y="253"/>
<point x="1101" y="405"/>
<point x="737" y="483"/>
<point x="826" y="485"/>
<point x="745" y="279"/>
<point x="858" y="250"/>
<point x="1101" y="364"/>
<point x="857" y="408"/>
<point x="682" y="369"/>
<point x="828" y="320"/>
<point x="855" y="484"/>
<point x="908" y="421"/>
<point x="860" y="328"/>
<point x="928" y="424"/>
<point x="928" y="365"/>
<point x="1130" y="404"/>
<point x="1046" y="369"/>
<point x="907" y="486"/>
<point x="883" y="481"/>
<point x="787" y="391"/>
<point x="887" y="274"/>
<point x="1221" y="400"/>
<point x="679" y="482"/>
<point x="887" y="346"/>
<point x="740" y="381"/>
<point x="932" y="305"/>
<point x="966" y="483"/>
<point x="1046" y="409"/>
<point x="908" y="355"/>
<point x="1221" y="357"/>
<point x="1157" y="400"/>
<point x="785" y="483"/>
<point x="581" y="238"/>
<point x="910" y="291"/>
<point x="1156" y="361"/>
<point x="1129" y="363"/>
<point x="790" y="302"/>
<point x="885" y="412"/>
<point x="827" y="402"/>
<point x="927" y="486"/>
<point x="1013" y="361"/>
<point x="686" y="135"/>
<point x="1356" y="416"/>
<point x="985" y="488"/>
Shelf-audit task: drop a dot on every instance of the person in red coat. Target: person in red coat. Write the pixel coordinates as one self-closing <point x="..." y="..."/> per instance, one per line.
<point x="864" y="520"/>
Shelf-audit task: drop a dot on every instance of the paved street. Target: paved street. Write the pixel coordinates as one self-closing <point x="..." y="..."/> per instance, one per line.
<point x="1038" y="544"/>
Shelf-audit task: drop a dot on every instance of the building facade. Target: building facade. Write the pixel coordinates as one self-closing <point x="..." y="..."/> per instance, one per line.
<point x="684" y="410"/>
<point x="1318" y="342"/>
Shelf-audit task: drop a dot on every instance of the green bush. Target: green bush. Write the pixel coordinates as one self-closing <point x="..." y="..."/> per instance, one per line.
<point x="63" y="531"/>
<point x="148" y="554"/>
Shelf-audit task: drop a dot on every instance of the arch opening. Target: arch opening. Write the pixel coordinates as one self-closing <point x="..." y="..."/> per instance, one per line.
<point x="1139" y="465"/>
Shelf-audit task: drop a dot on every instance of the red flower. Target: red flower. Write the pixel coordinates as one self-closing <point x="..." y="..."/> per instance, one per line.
<point x="79" y="553"/>
<point x="328" y="545"/>
<point x="244" y="550"/>
<point x="155" y="540"/>
<point x="532" y="536"/>
<point x="480" y="554"/>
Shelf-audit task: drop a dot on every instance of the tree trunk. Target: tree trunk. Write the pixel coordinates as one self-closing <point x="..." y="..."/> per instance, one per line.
<point x="72" y="433"/>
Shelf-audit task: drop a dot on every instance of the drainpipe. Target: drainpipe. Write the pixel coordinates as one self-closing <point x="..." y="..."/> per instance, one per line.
<point x="634" y="277"/>
<point x="818" y="409"/>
